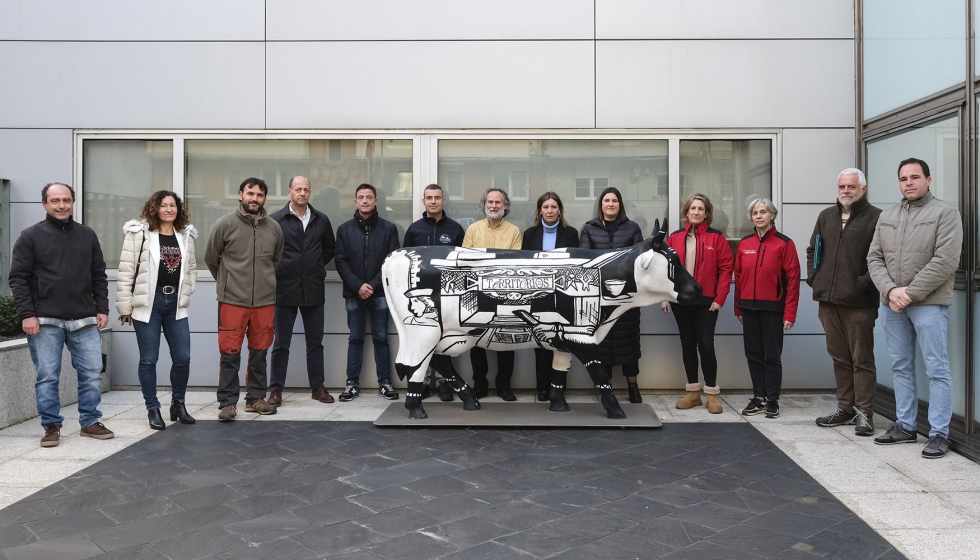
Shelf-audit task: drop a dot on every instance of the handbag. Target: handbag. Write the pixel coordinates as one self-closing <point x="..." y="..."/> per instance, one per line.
<point x="132" y="290"/>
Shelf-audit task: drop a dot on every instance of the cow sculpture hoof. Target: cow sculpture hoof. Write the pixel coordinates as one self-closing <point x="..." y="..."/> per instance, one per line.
<point x="417" y="413"/>
<point x="558" y="402"/>
<point x="613" y="410"/>
<point x="470" y="402"/>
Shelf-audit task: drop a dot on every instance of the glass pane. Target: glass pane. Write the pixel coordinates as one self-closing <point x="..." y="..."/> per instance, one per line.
<point x="731" y="173"/>
<point x="937" y="143"/>
<point x="215" y="169"/>
<point x="118" y="176"/>
<point x="976" y="360"/>
<point x="574" y="169"/>
<point x="905" y="61"/>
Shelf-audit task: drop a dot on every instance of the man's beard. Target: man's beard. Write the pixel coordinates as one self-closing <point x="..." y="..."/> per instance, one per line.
<point x="248" y="209"/>
<point x="498" y="215"/>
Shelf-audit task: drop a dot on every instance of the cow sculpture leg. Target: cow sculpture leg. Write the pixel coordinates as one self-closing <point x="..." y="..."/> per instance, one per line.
<point x="590" y="357"/>
<point x="413" y="399"/>
<point x="561" y="362"/>
<point x="445" y="367"/>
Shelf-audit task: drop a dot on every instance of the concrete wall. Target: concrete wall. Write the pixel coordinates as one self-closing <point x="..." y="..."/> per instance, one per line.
<point x="548" y="65"/>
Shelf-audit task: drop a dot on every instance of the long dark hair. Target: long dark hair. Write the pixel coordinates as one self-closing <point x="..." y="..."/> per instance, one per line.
<point x="550" y="195"/>
<point x="619" y="196"/>
<point x="151" y="211"/>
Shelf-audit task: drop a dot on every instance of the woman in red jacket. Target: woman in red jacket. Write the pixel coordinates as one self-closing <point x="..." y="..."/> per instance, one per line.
<point x="705" y="254"/>
<point x="767" y="290"/>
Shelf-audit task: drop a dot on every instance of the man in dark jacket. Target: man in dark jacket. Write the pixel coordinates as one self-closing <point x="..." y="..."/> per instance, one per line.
<point x="363" y="243"/>
<point x="837" y="270"/>
<point x="57" y="276"/>
<point x="308" y="245"/>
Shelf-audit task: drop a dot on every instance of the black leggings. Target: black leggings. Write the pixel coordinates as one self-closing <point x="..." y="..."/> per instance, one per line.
<point x="697" y="328"/>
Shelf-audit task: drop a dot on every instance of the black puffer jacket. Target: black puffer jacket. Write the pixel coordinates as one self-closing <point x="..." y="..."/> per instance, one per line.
<point x="362" y="246"/>
<point x="305" y="254"/>
<point x="622" y="344"/>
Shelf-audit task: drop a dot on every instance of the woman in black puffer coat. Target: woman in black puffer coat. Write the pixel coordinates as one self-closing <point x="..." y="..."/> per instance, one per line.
<point x="611" y="229"/>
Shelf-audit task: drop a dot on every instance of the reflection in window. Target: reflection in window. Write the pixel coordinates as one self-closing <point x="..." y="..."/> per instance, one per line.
<point x="937" y="143"/>
<point x="578" y="170"/>
<point x="118" y="176"/>
<point x="215" y="169"/>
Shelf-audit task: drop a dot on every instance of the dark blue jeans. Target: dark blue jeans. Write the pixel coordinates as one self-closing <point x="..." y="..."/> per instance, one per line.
<point x="163" y="316"/>
<point x="357" y="314"/>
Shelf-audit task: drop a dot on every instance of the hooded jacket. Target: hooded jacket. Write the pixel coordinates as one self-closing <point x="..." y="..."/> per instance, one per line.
<point x="305" y="254"/>
<point x="767" y="274"/>
<point x="135" y="296"/>
<point x="362" y="246"/>
<point x="843" y="277"/>
<point x="242" y="255"/>
<point x="714" y="262"/>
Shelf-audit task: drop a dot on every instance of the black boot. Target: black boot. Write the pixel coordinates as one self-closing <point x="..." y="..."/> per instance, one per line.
<point x="179" y="412"/>
<point x="634" y="392"/>
<point x="156" y="419"/>
<point x="413" y="401"/>
<point x="504" y="392"/>
<point x="557" y="393"/>
<point x="481" y="388"/>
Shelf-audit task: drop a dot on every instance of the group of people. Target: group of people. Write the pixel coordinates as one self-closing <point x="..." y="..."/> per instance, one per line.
<point x="270" y="268"/>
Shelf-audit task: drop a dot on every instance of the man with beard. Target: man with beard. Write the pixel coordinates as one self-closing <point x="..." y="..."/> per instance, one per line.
<point x="243" y="251"/>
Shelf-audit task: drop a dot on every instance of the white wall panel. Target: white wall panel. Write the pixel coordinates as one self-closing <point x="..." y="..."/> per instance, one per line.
<point x="712" y="84"/>
<point x="812" y="159"/>
<point x="125" y="20"/>
<point x="797" y="222"/>
<point x="501" y="84"/>
<point x="724" y="19"/>
<point x="132" y="85"/>
<point x="315" y="20"/>
<point x="30" y="159"/>
<point x="24" y="215"/>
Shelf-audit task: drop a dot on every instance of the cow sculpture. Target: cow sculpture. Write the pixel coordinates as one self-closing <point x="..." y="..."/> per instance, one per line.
<point x="446" y="300"/>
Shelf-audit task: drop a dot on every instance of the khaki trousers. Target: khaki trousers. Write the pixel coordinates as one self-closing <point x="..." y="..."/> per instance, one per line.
<point x="851" y="344"/>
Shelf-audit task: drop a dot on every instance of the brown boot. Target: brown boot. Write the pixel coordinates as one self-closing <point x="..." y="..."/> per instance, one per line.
<point x="692" y="398"/>
<point x="321" y="394"/>
<point x="714" y="403"/>
<point x="275" y="397"/>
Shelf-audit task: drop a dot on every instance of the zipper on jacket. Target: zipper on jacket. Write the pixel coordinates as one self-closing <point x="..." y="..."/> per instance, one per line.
<point x="253" y="262"/>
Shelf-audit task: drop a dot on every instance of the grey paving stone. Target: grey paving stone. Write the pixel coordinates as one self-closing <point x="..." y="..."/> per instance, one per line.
<point x="482" y="474"/>
<point x="211" y="460"/>
<point x="15" y="535"/>
<point x="616" y="547"/>
<point x="219" y="493"/>
<point x="754" y="540"/>
<point x="141" y="509"/>
<point x="648" y="477"/>
<point x="593" y="524"/>
<point x="584" y="470"/>
<point x="325" y="491"/>
<point x="678" y="494"/>
<point x="408" y="454"/>
<point x="821" y="507"/>
<point x="451" y="508"/>
<point x="488" y="551"/>
<point x="387" y="498"/>
<point x="23" y="512"/>
<point x="671" y="532"/>
<point x="268" y="484"/>
<point x="411" y="546"/>
<point x="382" y="478"/>
<point x="257" y="506"/>
<point x="81" y="483"/>
<point x="332" y="512"/>
<point x="211" y="477"/>
<point x="194" y="520"/>
<point x="95" y="499"/>
<point x="334" y="539"/>
<point x="712" y="515"/>
<point x="269" y="527"/>
<point x="544" y="480"/>
<point x="142" y="490"/>
<point x="520" y="516"/>
<point x="799" y="525"/>
<point x="785" y="487"/>
<point x="716" y="482"/>
<point x="709" y="551"/>
<point x="398" y="521"/>
<point x="748" y="500"/>
<point x="567" y="500"/>
<point x="192" y="546"/>
<point x="828" y="544"/>
<point x="131" y="534"/>
<point x="64" y="525"/>
<point x="313" y="474"/>
<point x="544" y="540"/>
<point x="73" y="547"/>
<point x="439" y="485"/>
<point x="282" y="549"/>
<point x="467" y="532"/>
<point x="141" y="552"/>
<point x="637" y="508"/>
<point x="428" y="467"/>
<point x="494" y="497"/>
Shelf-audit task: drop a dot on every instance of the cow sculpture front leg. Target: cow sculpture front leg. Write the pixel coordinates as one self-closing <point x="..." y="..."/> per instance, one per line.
<point x="413" y="400"/>
<point x="447" y="370"/>
<point x="589" y="355"/>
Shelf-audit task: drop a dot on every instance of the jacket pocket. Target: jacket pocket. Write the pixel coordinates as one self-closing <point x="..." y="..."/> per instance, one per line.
<point x="886" y="236"/>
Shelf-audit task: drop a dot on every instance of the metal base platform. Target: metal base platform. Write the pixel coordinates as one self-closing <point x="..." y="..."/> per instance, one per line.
<point x="518" y="415"/>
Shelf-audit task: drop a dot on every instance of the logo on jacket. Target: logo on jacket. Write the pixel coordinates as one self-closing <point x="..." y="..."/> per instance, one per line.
<point x="445" y="239"/>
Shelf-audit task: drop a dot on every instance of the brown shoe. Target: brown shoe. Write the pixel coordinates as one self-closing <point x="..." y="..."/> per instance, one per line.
<point x="275" y="397"/>
<point x="260" y="407"/>
<point x="97" y="431"/>
<point x="227" y="413"/>
<point x="52" y="435"/>
<point x="321" y="394"/>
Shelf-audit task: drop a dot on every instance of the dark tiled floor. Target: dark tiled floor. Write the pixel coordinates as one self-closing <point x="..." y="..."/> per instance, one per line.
<point x="301" y="490"/>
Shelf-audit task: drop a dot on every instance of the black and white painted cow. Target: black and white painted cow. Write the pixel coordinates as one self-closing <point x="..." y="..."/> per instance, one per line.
<point x="446" y="300"/>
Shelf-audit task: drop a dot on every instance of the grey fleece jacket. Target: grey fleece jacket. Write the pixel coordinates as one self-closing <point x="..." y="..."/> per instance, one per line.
<point x="917" y="245"/>
<point x="242" y="255"/>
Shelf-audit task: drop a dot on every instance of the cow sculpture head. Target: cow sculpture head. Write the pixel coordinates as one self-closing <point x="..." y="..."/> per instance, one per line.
<point x="659" y="274"/>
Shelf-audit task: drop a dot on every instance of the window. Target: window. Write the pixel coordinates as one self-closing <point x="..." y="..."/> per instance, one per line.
<point x="935" y="142"/>
<point x="589" y="188"/>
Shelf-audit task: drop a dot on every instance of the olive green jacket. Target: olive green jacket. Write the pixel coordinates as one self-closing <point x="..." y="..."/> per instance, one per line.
<point x="242" y="255"/>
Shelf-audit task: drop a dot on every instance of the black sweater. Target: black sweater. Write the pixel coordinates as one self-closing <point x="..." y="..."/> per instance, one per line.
<point x="305" y="254"/>
<point x="427" y="231"/>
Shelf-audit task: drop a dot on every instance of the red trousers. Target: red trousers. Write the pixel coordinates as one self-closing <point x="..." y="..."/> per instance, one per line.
<point x="234" y="325"/>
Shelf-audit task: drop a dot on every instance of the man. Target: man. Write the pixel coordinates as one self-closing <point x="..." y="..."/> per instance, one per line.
<point x="363" y="242"/>
<point x="913" y="260"/>
<point x="837" y="270"/>
<point x="435" y="228"/>
<point x="243" y="251"/>
<point x="57" y="276"/>
<point x="308" y="245"/>
<point x="493" y="233"/>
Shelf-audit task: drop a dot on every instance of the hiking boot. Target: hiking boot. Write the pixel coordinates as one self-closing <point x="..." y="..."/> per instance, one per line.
<point x="259" y="406"/>
<point x="936" y="447"/>
<point x="227" y="413"/>
<point x="865" y="427"/>
<point x="275" y="397"/>
<point x="387" y="391"/>
<point x="350" y="393"/>
<point x="97" y="431"/>
<point x="755" y="406"/>
<point x="772" y="408"/>
<point x="52" y="435"/>
<point x="896" y="434"/>
<point x="319" y="394"/>
<point x="445" y="391"/>
<point x="840" y="417"/>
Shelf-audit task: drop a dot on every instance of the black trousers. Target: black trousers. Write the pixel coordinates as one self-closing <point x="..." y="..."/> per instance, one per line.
<point x="313" y="326"/>
<point x="697" y="328"/>
<point x="542" y="368"/>
<point x="631" y="369"/>
<point x="505" y="366"/>
<point x="762" y="333"/>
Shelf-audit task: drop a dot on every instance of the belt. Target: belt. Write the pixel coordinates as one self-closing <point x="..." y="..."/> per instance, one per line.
<point x="167" y="289"/>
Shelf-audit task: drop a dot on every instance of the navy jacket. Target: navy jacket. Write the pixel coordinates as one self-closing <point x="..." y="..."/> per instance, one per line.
<point x="362" y="246"/>
<point x="533" y="239"/>
<point x="305" y="254"/>
<point x="427" y="231"/>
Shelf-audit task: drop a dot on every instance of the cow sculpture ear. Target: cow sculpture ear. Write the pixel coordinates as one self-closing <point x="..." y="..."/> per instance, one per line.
<point x="645" y="259"/>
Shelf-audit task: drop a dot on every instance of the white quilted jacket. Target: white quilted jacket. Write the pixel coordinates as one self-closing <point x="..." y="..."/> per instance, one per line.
<point x="138" y="300"/>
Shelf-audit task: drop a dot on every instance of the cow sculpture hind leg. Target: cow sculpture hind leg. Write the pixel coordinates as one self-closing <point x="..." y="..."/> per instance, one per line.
<point x="560" y="364"/>
<point x="590" y="357"/>
<point x="413" y="399"/>
<point x="446" y="368"/>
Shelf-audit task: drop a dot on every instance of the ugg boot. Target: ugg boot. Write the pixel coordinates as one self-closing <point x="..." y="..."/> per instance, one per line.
<point x="714" y="403"/>
<point x="692" y="398"/>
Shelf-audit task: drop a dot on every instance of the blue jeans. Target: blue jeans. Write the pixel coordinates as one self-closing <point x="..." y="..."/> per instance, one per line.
<point x="927" y="324"/>
<point x="178" y="335"/>
<point x="357" y="312"/>
<point x="85" y="348"/>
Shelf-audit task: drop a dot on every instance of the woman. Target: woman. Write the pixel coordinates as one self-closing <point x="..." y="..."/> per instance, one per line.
<point x="704" y="252"/>
<point x="550" y="231"/>
<point x="767" y="290"/>
<point x="611" y="229"/>
<point x="157" y="275"/>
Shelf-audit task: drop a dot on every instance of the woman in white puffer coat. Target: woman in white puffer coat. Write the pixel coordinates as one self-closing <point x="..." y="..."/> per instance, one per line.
<point x="157" y="275"/>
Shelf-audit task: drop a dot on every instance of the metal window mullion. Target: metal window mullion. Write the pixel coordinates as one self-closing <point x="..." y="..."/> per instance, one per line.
<point x="178" y="167"/>
<point x="674" y="183"/>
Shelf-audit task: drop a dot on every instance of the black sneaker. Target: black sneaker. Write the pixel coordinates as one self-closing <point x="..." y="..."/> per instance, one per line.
<point x="772" y="408"/>
<point x="755" y="406"/>
<point x="936" y="447"/>
<point x="350" y="393"/>
<point x="865" y="426"/>
<point x="896" y="434"/>
<point x="445" y="391"/>
<point x="387" y="391"/>
<point x="840" y="417"/>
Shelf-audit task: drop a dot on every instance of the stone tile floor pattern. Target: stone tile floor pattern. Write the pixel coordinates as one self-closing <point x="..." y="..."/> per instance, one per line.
<point x="704" y="486"/>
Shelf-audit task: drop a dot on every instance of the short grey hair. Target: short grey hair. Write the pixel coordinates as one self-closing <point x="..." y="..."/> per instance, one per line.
<point x="862" y="180"/>
<point x="483" y="201"/>
<point x="763" y="200"/>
